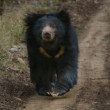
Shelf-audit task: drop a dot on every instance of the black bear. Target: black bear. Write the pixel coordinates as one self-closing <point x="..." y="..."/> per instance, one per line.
<point x="52" y="52"/>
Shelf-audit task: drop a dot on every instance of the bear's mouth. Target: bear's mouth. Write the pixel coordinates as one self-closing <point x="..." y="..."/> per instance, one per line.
<point x="48" y="33"/>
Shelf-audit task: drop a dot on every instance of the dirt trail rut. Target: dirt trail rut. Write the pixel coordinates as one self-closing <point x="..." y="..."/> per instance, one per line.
<point x="93" y="90"/>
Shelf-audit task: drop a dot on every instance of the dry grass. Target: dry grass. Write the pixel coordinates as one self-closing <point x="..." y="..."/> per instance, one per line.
<point x="12" y="25"/>
<point x="11" y="29"/>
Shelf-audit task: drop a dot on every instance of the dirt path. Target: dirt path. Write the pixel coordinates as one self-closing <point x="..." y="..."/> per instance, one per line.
<point x="93" y="89"/>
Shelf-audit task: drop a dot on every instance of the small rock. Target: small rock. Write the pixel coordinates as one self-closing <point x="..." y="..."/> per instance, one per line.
<point x="96" y="1"/>
<point x="21" y="60"/>
<point x="19" y="99"/>
<point x="33" y="2"/>
<point x="13" y="49"/>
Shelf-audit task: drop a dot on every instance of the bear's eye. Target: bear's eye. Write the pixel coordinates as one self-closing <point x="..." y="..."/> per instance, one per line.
<point x="52" y="25"/>
<point x="41" y="27"/>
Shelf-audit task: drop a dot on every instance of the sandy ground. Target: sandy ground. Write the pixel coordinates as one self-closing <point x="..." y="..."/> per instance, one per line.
<point x="93" y="89"/>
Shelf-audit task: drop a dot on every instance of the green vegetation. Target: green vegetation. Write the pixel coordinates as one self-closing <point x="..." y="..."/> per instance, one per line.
<point x="93" y="109"/>
<point x="1" y="72"/>
<point x="3" y="64"/>
<point x="21" y="65"/>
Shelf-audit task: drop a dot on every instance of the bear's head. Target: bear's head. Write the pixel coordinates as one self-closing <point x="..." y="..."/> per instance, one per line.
<point x="48" y="28"/>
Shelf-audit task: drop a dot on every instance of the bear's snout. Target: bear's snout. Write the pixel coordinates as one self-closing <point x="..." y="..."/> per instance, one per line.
<point x="48" y="33"/>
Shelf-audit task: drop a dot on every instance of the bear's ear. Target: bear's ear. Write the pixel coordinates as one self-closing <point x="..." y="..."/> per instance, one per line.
<point x="31" y="19"/>
<point x="64" y="16"/>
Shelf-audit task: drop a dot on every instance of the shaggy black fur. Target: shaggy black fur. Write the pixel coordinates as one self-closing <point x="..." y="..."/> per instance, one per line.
<point x="52" y="75"/>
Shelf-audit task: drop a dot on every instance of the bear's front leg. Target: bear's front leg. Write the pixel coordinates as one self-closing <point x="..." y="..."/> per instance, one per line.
<point x="66" y="75"/>
<point x="43" y="79"/>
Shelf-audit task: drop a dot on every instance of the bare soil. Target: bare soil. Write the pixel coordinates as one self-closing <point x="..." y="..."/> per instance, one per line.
<point x="93" y="89"/>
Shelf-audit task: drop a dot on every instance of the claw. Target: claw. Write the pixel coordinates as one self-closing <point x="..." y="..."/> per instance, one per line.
<point x="54" y="95"/>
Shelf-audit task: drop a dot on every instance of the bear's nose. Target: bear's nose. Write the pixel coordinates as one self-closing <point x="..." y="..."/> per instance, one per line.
<point x="47" y="35"/>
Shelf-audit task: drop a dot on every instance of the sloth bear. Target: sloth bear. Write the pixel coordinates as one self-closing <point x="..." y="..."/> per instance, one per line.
<point x="52" y="47"/>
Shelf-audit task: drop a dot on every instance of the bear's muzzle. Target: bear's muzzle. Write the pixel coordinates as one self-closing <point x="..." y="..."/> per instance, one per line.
<point x="48" y="33"/>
